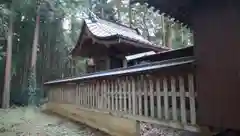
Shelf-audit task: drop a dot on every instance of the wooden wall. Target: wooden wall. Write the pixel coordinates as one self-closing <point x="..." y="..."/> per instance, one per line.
<point x="216" y="31"/>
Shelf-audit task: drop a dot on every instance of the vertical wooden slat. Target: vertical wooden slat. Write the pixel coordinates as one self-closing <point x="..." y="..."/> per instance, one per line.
<point x="159" y="102"/>
<point x="174" y="98"/>
<point x="80" y="95"/>
<point x="124" y="95"/>
<point x="69" y="95"/>
<point x="112" y="95"/>
<point x="64" y="96"/>
<point x="140" y="91"/>
<point x="97" y="94"/>
<point x="145" y="97"/>
<point x="104" y="95"/>
<point x="166" y="105"/>
<point x="120" y="95"/>
<point x="79" y="92"/>
<point x="108" y="95"/>
<point x="77" y="95"/>
<point x="94" y="95"/>
<point x="82" y="92"/>
<point x="91" y="95"/>
<point x="85" y="95"/>
<point x="129" y="96"/>
<point x="116" y="95"/>
<point x="101" y="94"/>
<point x="74" y="95"/>
<point x="151" y="97"/>
<point x="61" y="95"/>
<point x="88" y="95"/>
<point x="192" y="99"/>
<point x="182" y="100"/>
<point x="134" y="100"/>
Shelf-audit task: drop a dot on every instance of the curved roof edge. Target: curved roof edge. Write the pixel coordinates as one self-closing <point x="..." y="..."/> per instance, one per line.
<point x="103" y="30"/>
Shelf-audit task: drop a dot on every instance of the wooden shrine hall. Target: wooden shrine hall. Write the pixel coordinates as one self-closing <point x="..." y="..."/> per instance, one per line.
<point x="107" y="43"/>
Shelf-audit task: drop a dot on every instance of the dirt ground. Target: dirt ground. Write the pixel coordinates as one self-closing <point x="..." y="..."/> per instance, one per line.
<point x="32" y="122"/>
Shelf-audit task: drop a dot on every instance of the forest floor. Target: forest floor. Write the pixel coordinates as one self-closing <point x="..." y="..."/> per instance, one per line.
<point x="32" y="122"/>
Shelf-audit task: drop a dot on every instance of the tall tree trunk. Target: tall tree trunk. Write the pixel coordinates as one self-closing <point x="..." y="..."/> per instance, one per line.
<point x="8" y="68"/>
<point x="102" y="2"/>
<point x="163" y="30"/>
<point x="168" y="37"/>
<point x="130" y="14"/>
<point x="118" y="9"/>
<point x="35" y="44"/>
<point x="145" y="24"/>
<point x="32" y="76"/>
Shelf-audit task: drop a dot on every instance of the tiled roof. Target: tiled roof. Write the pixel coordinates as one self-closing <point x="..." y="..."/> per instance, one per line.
<point x="106" y="29"/>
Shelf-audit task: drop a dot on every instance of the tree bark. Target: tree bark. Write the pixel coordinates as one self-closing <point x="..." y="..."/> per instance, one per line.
<point x="32" y="75"/>
<point x="145" y="24"/>
<point x="130" y="14"/>
<point x="35" y="44"/>
<point x="8" y="68"/>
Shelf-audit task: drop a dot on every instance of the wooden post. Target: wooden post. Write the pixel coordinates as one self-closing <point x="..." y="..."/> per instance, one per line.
<point x="174" y="98"/>
<point x="151" y="98"/>
<point x="104" y="95"/>
<point x="120" y="95"/>
<point x="159" y="103"/>
<point x="125" y="95"/>
<point x="90" y="94"/>
<point x="192" y="99"/>
<point x="112" y="94"/>
<point x="166" y="105"/>
<point x="116" y="95"/>
<point x="97" y="94"/>
<point x="108" y="95"/>
<point x="93" y="94"/>
<point x="140" y="91"/>
<point x="145" y="97"/>
<point x="134" y="100"/>
<point x="182" y="100"/>
<point x="129" y="96"/>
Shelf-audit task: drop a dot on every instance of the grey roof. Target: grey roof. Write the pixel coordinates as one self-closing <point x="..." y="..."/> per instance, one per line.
<point x="185" y="51"/>
<point x="106" y="29"/>
<point x="130" y="70"/>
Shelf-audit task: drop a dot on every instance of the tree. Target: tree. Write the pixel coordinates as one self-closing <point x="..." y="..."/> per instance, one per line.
<point x="43" y="9"/>
<point x="8" y="67"/>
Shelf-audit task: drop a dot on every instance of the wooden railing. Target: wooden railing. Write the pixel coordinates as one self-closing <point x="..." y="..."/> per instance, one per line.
<point x="158" y="95"/>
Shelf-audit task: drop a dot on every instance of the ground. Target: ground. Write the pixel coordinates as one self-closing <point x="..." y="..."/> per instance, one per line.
<point x="32" y="122"/>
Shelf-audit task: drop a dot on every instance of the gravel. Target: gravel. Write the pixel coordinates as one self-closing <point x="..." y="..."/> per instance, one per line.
<point x="31" y="122"/>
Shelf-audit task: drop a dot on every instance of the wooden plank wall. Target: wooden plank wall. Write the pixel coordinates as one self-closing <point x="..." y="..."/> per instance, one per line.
<point x="163" y="98"/>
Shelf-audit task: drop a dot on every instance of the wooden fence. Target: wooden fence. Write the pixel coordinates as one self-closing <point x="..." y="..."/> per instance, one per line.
<point x="163" y="98"/>
<point x="146" y="93"/>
